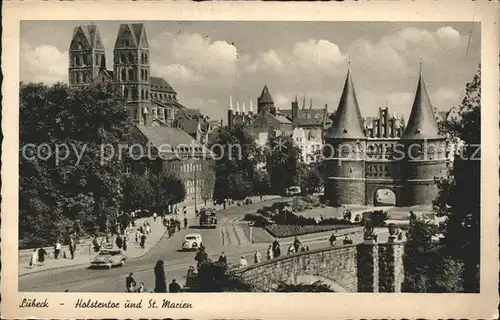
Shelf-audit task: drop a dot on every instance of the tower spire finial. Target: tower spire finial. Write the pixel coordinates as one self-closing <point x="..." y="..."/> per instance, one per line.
<point x="230" y="102"/>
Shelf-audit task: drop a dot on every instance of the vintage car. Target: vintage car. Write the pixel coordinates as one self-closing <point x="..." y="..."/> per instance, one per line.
<point x="292" y="191"/>
<point x="109" y="258"/>
<point x="192" y="241"/>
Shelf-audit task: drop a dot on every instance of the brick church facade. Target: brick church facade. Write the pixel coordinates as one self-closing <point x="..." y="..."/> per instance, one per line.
<point x="405" y="159"/>
<point x="157" y="116"/>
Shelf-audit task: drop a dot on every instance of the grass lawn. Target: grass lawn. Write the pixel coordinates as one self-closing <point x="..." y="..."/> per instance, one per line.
<point x="259" y="235"/>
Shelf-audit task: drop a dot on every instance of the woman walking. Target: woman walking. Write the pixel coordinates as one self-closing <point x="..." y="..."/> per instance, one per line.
<point x="160" y="279"/>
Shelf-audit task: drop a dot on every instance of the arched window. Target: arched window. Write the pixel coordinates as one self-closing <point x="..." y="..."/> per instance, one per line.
<point x="134" y="93"/>
<point x="142" y="94"/>
<point x="142" y="74"/>
<point x="130" y="75"/>
<point x="125" y="93"/>
<point x="146" y="74"/>
<point x="147" y="94"/>
<point x="130" y="57"/>
<point x="84" y="78"/>
<point x="145" y="58"/>
<point x="124" y="75"/>
<point x="122" y="58"/>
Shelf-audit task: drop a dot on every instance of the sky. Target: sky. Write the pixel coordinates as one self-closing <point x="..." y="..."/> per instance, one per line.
<point x="207" y="61"/>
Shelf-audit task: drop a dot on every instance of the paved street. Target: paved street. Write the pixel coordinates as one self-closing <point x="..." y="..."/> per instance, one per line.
<point x="80" y="278"/>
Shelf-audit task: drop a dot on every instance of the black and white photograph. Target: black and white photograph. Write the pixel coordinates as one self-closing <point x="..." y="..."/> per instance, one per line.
<point x="232" y="156"/>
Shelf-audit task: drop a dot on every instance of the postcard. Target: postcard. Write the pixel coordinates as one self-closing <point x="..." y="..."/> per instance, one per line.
<point x="250" y="160"/>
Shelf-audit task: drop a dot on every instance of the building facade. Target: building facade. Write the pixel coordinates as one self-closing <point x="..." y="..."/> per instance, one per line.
<point x="159" y="119"/>
<point x="404" y="159"/>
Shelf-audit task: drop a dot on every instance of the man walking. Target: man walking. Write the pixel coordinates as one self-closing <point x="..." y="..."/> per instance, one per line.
<point x="72" y="247"/>
<point x="174" y="287"/>
<point x="332" y="240"/>
<point x="57" y="249"/>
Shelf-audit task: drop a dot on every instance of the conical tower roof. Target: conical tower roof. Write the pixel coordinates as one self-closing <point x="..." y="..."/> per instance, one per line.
<point x="422" y="123"/>
<point x="265" y="96"/>
<point x="347" y="122"/>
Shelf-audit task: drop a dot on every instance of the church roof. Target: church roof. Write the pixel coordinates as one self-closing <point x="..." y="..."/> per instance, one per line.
<point x="422" y="123"/>
<point x="347" y="122"/>
<point x="160" y="84"/>
<point x="265" y="96"/>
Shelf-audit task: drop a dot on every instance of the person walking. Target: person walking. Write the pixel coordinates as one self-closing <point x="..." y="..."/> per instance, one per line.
<point x="276" y="249"/>
<point x="72" y="247"/>
<point x="223" y="258"/>
<point x="154" y="216"/>
<point x="296" y="244"/>
<point x="57" y="250"/>
<point x="141" y="288"/>
<point x="291" y="249"/>
<point x="130" y="283"/>
<point x="143" y="241"/>
<point x="269" y="252"/>
<point x="256" y="257"/>
<point x="333" y="240"/>
<point x="201" y="256"/>
<point x="243" y="262"/>
<point x="34" y="258"/>
<point x="119" y="241"/>
<point x="95" y="242"/>
<point x="174" y="287"/>
<point x="41" y="255"/>
<point x="185" y="223"/>
<point x="160" y="279"/>
<point x="125" y="240"/>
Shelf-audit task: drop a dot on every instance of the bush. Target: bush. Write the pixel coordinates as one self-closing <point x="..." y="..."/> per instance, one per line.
<point x="378" y="217"/>
<point x="282" y="231"/>
<point x="288" y="218"/>
<point x="311" y="199"/>
<point x="334" y="221"/>
<point x="257" y="219"/>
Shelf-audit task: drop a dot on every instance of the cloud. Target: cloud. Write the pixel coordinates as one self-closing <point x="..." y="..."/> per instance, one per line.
<point x="44" y="63"/>
<point x="401" y="52"/>
<point x="306" y="57"/>
<point x="445" y="98"/>
<point x="178" y="73"/>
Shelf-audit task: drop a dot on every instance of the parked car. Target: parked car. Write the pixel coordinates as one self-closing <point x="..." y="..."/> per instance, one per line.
<point x="292" y="191"/>
<point x="109" y="258"/>
<point x="192" y="241"/>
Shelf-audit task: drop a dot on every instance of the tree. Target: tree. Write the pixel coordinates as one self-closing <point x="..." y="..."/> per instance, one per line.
<point x="459" y="195"/>
<point x="208" y="178"/>
<point x="66" y="184"/>
<point x="312" y="180"/>
<point x="138" y="192"/>
<point x="282" y="163"/>
<point x="171" y="190"/>
<point x="262" y="183"/>
<point x="236" y="157"/>
<point x="216" y="277"/>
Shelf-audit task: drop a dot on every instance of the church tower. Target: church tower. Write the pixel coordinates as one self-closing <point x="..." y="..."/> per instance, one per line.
<point x="265" y="102"/>
<point x="131" y="71"/>
<point x="425" y="156"/>
<point x="345" y="142"/>
<point x="86" y="53"/>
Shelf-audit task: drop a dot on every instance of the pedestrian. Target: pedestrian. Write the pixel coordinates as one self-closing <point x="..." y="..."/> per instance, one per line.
<point x="174" y="287"/>
<point x="97" y="247"/>
<point x="119" y="242"/>
<point x="154" y="217"/>
<point x="276" y="249"/>
<point x="57" y="250"/>
<point x="34" y="258"/>
<point x="148" y="228"/>
<point x="130" y="283"/>
<point x="41" y="255"/>
<point x="143" y="241"/>
<point x="201" y="256"/>
<point x="72" y="247"/>
<point x="178" y="225"/>
<point x="256" y="257"/>
<point x="223" y="258"/>
<point x="307" y="248"/>
<point x="125" y="240"/>
<point x="141" y="288"/>
<point x="184" y="210"/>
<point x="185" y="223"/>
<point x="333" y="240"/>
<point x="243" y="262"/>
<point x="160" y="282"/>
<point x="296" y="244"/>
<point x="137" y="236"/>
<point x="291" y="249"/>
<point x="269" y="252"/>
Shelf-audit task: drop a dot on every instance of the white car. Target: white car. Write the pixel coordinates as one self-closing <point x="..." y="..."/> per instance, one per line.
<point x="292" y="191"/>
<point x="192" y="241"/>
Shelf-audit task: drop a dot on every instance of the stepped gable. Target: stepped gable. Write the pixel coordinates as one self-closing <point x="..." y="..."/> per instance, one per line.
<point x="422" y="123"/>
<point x="347" y="123"/>
<point x="265" y="96"/>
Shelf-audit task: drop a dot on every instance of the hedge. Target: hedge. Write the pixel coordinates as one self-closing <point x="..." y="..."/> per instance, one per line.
<point x="282" y="231"/>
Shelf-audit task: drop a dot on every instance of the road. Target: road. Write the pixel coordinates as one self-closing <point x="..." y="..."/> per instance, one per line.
<point x="83" y="279"/>
<point x="223" y="238"/>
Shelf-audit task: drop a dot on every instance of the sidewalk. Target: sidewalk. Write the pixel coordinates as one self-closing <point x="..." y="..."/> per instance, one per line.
<point x="133" y="250"/>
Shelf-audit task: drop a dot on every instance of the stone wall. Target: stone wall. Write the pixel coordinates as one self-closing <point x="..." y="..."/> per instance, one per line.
<point x="353" y="268"/>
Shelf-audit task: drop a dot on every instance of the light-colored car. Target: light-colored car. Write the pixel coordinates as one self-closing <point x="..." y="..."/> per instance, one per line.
<point x="192" y="241"/>
<point x="109" y="258"/>
<point x="292" y="191"/>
